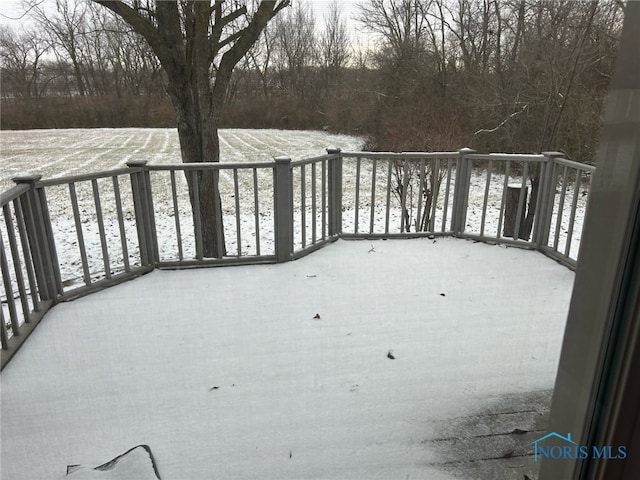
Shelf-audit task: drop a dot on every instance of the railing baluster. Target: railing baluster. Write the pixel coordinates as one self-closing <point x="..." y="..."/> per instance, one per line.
<point x="324" y="199"/>
<point x="53" y="271"/>
<point x="123" y="234"/>
<point x="403" y="197"/>
<point x="11" y="303"/>
<point x="15" y="255"/>
<point x="521" y="201"/>
<point x="541" y="175"/>
<point x="388" y="205"/>
<point x="101" y="231"/>
<point x="556" y="239"/>
<point x="507" y="174"/>
<point x="572" y="218"/>
<point x="313" y="203"/>
<point x="76" y="218"/>
<point x="197" y="216"/>
<point x="256" y="209"/>
<point x="176" y="213"/>
<point x="28" y="260"/>
<point x="303" y="206"/>
<point x="4" y="340"/>
<point x="236" y="192"/>
<point x="485" y="199"/>
<point x="357" y="205"/>
<point x="47" y="231"/>
<point x="374" y="168"/>
<point x="422" y="181"/>
<point x="218" y="208"/>
<point x="434" y="194"/>
<point x="446" y="195"/>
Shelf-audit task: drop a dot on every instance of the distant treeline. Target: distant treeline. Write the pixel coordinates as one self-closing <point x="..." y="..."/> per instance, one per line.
<point x="497" y="75"/>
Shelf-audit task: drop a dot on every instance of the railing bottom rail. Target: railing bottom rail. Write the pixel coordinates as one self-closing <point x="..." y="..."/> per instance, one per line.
<point x="104" y="283"/>
<point x="570" y="263"/>
<point x="216" y="262"/>
<point x="312" y="248"/>
<point x="15" y="342"/>
<point x="390" y="236"/>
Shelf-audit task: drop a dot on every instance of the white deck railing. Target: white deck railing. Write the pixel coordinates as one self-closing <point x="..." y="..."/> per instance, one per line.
<point x="67" y="237"/>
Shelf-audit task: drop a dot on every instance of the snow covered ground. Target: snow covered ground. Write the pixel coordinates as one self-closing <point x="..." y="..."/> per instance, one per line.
<point x="225" y="372"/>
<point x="57" y="153"/>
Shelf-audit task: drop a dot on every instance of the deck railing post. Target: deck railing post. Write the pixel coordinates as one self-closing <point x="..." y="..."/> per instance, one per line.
<point x="40" y="236"/>
<point x="283" y="201"/>
<point x="542" y="222"/>
<point x="143" y="208"/>
<point x="335" y="192"/>
<point x="461" y="192"/>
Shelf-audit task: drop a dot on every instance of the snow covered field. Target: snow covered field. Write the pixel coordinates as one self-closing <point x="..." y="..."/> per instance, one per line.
<point x="225" y="372"/>
<point x="56" y="153"/>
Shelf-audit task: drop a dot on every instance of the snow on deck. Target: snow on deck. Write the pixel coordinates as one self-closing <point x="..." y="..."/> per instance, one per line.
<point x="225" y="373"/>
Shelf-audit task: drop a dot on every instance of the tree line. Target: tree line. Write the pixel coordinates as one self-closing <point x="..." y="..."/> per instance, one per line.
<point x="495" y="75"/>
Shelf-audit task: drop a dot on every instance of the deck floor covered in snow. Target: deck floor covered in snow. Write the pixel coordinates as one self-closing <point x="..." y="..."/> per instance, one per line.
<point x="226" y="374"/>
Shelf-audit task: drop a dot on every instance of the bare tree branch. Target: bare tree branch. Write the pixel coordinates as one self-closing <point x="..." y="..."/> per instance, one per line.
<point x="510" y="117"/>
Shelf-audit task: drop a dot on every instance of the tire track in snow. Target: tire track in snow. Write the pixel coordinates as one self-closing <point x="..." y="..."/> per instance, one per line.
<point x="166" y="154"/>
<point x="242" y="142"/>
<point x="75" y="149"/>
<point x="272" y="148"/>
<point x="136" y="151"/>
<point x="256" y="139"/>
<point x="229" y="151"/>
<point x="95" y="157"/>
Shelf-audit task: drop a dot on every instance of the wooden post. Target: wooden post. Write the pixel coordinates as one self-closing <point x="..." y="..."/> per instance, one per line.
<point x="461" y="192"/>
<point x="511" y="223"/>
<point x="335" y="192"/>
<point x="283" y="191"/>
<point x="547" y="194"/>
<point x="40" y="235"/>
<point x="145" y="222"/>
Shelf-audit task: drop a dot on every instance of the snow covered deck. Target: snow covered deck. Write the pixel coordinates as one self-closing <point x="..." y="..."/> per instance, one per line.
<point x="225" y="373"/>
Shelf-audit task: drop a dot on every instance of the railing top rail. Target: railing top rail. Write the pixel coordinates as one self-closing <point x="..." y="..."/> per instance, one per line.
<point x="518" y="157"/>
<point x="210" y="165"/>
<point x="401" y="155"/>
<point x="13" y="193"/>
<point x="83" y="177"/>
<point x="577" y="165"/>
<point x="307" y="161"/>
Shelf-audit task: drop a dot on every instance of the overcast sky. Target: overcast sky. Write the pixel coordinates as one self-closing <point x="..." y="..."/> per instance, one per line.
<point x="10" y="11"/>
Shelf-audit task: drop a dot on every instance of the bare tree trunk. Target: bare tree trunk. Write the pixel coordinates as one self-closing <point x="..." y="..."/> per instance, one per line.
<point x="199" y="143"/>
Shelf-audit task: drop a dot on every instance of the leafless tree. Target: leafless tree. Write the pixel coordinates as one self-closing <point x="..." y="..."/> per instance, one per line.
<point x="295" y="52"/>
<point x="334" y="46"/>
<point x="193" y="40"/>
<point x="65" y="26"/>
<point x="260" y="58"/>
<point x="21" y="56"/>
